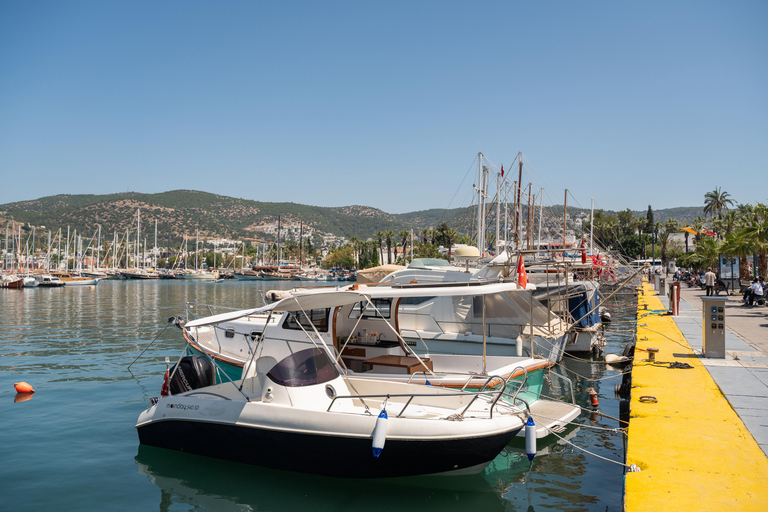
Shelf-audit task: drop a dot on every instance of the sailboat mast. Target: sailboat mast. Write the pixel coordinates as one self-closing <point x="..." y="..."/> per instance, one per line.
<point x="66" y="254"/>
<point x="591" y="225"/>
<point x="565" y="218"/>
<point x="529" y="229"/>
<point x="138" y="237"/>
<point x="506" y="212"/>
<point x="480" y="230"/>
<point x="518" y="209"/>
<point x="498" y="213"/>
<point x="278" y="243"/>
<point x="541" y="213"/>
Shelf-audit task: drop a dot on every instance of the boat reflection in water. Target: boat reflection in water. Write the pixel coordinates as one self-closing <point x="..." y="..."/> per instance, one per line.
<point x="210" y="484"/>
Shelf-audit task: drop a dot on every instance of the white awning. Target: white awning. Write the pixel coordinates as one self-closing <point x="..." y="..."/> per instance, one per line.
<point x="320" y="299"/>
<point x="298" y="301"/>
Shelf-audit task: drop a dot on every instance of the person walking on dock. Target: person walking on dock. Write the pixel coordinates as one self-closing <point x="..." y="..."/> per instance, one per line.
<point x="709" y="281"/>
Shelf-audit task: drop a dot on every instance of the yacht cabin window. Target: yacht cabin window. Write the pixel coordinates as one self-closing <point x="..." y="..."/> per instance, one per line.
<point x="365" y="310"/>
<point x="414" y="301"/>
<point x="298" y="320"/>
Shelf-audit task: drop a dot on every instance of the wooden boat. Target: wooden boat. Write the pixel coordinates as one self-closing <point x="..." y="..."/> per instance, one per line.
<point x="75" y="280"/>
<point x="11" y="281"/>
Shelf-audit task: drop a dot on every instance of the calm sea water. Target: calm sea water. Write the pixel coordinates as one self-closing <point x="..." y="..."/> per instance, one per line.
<point x="73" y="445"/>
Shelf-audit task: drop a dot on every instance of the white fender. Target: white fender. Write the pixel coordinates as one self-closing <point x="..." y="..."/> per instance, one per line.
<point x="380" y="433"/>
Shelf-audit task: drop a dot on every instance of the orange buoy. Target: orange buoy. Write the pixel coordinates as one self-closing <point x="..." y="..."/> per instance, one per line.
<point x="23" y="387"/>
<point x="593" y="397"/>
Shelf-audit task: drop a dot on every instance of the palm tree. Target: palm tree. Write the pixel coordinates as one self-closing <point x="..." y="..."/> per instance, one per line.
<point x="709" y="249"/>
<point x="716" y="202"/>
<point x="669" y="227"/>
<point x="379" y="237"/>
<point x="355" y="243"/>
<point x="404" y="234"/>
<point x="736" y="244"/>
<point x="698" y="225"/>
<point x="757" y="236"/>
<point x="388" y="236"/>
<point x="450" y="238"/>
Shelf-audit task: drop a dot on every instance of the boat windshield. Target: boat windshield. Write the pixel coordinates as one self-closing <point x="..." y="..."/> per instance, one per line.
<point x="304" y="368"/>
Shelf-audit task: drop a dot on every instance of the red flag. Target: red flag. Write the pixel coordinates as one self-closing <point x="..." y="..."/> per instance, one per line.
<point x="502" y="170"/>
<point x="522" y="275"/>
<point x="164" y="390"/>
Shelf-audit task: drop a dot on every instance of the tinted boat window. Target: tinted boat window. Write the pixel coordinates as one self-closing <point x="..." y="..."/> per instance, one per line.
<point x="413" y="301"/>
<point x="362" y="308"/>
<point x="304" y="368"/>
<point x="316" y="317"/>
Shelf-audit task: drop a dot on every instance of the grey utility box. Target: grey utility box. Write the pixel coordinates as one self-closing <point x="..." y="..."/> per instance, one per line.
<point x="662" y="285"/>
<point x="713" y="320"/>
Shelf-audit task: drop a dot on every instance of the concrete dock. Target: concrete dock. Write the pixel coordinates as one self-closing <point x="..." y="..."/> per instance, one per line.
<point x="699" y="435"/>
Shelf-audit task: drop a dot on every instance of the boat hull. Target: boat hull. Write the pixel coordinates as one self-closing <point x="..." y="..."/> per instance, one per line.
<point x="328" y="455"/>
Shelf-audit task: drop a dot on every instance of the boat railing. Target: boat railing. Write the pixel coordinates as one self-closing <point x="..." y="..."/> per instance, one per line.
<point x="568" y="381"/>
<point x="411" y="396"/>
<point x="418" y="334"/>
<point x="492" y="329"/>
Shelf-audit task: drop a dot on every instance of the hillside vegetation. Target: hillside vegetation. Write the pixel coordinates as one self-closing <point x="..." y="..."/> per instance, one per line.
<point x="181" y="212"/>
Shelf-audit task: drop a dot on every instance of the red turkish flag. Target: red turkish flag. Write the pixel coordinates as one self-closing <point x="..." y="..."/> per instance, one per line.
<point x="522" y="275"/>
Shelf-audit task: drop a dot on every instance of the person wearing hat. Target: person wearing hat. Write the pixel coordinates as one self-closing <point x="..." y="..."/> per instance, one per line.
<point x="709" y="281"/>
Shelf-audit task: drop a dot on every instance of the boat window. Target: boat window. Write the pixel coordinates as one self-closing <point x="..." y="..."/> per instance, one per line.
<point x="298" y="320"/>
<point x="414" y="301"/>
<point x="365" y="310"/>
<point x="304" y="368"/>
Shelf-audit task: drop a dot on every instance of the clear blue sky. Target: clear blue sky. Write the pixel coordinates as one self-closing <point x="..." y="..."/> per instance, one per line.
<point x="385" y="103"/>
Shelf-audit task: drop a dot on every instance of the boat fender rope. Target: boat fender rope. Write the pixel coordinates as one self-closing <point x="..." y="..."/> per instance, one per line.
<point x="648" y="399"/>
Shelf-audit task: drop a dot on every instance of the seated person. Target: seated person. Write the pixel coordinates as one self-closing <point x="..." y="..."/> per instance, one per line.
<point x="755" y="292"/>
<point x="720" y="286"/>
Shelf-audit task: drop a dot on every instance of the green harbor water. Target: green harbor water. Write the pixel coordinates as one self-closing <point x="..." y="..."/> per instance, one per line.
<point x="73" y="445"/>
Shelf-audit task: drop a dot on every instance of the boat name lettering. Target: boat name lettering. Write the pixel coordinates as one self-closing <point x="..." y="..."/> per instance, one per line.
<point x="183" y="407"/>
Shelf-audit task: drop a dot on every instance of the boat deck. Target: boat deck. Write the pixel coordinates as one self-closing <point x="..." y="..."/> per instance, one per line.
<point x="551" y="416"/>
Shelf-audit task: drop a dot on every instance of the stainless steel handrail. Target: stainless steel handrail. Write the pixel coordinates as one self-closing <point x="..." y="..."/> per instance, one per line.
<point x="411" y="396"/>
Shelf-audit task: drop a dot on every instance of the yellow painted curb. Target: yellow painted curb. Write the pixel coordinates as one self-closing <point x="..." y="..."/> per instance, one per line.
<point x="691" y="446"/>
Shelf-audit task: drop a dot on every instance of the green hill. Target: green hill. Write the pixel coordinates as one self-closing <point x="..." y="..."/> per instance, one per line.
<point x="181" y="212"/>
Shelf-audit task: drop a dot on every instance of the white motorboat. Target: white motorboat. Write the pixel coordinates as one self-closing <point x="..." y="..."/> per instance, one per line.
<point x="201" y="275"/>
<point x="575" y="302"/>
<point x="303" y="414"/>
<point x="49" y="281"/>
<point x="364" y="336"/>
<point x="30" y="281"/>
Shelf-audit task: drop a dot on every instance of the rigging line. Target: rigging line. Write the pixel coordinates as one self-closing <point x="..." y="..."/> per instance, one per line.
<point x="587" y="451"/>
<point x="461" y="185"/>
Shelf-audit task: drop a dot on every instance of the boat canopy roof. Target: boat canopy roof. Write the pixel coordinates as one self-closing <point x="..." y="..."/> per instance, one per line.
<point x="376" y="274"/>
<point x="330" y="298"/>
<point x="429" y="262"/>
